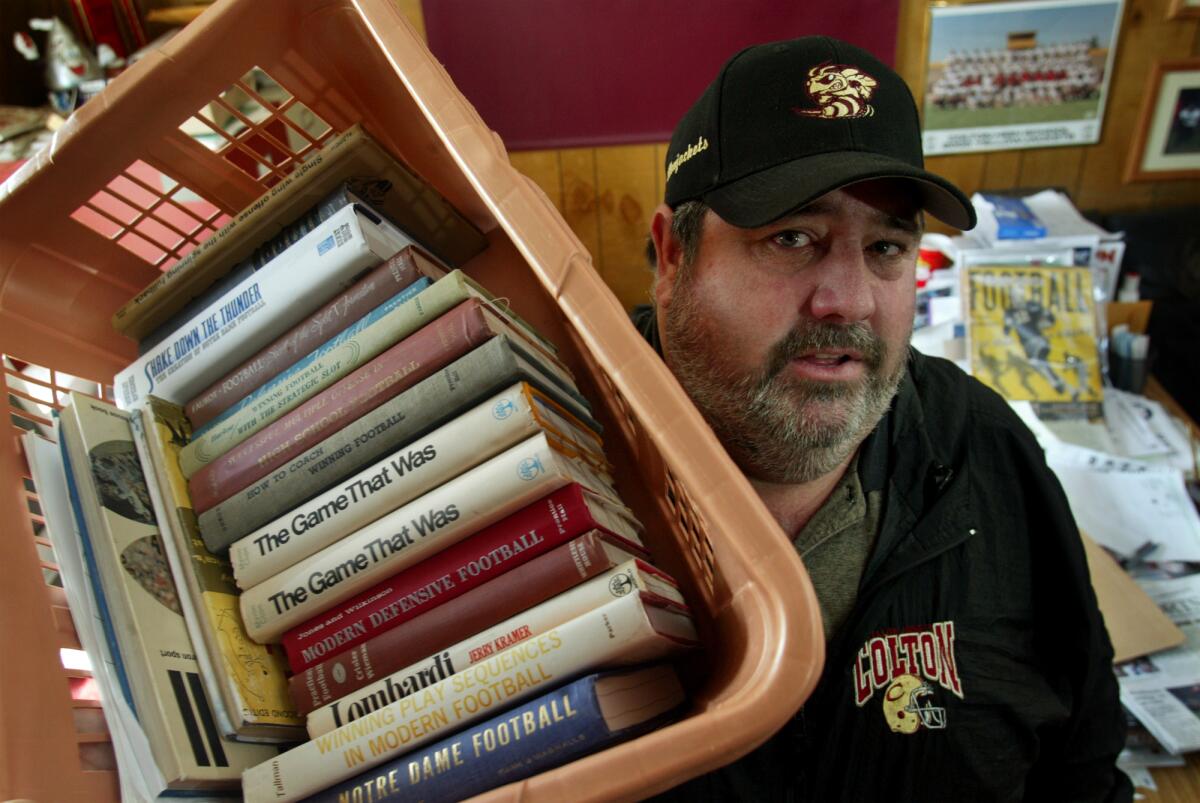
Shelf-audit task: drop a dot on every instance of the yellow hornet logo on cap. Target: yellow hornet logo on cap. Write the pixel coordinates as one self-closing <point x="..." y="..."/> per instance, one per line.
<point x="840" y="91"/>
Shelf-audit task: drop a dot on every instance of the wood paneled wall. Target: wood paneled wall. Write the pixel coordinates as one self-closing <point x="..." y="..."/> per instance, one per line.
<point x="607" y="195"/>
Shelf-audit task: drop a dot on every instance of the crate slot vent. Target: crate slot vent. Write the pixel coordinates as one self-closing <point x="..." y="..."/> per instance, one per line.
<point x="151" y="215"/>
<point x="33" y="394"/>
<point x="258" y="126"/>
<point x="696" y="532"/>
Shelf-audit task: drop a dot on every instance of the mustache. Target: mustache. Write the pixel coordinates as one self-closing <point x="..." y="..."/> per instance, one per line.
<point x="818" y="336"/>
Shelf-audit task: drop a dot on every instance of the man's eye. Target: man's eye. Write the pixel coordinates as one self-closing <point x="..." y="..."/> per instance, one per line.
<point x="887" y="249"/>
<point x="792" y="239"/>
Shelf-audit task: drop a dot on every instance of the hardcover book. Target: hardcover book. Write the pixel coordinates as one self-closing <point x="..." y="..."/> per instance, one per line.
<point x="167" y="693"/>
<point x="1032" y="336"/>
<point x="575" y="720"/>
<point x="355" y="345"/>
<point x="625" y="631"/>
<point x="379" y="672"/>
<point x="496" y="550"/>
<point x="366" y="294"/>
<point x="360" y="191"/>
<point x="415" y="358"/>
<point x="140" y="776"/>
<point x="414" y="205"/>
<point x="411" y="533"/>
<point x="249" y="678"/>
<point x="428" y="404"/>
<point x="260" y="308"/>
<point x="487" y="429"/>
<point x="365" y="340"/>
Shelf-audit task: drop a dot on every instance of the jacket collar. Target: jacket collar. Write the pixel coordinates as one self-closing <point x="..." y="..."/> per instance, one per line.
<point x="921" y="472"/>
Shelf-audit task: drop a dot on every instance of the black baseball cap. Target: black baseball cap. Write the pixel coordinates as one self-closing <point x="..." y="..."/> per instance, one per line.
<point x="786" y="122"/>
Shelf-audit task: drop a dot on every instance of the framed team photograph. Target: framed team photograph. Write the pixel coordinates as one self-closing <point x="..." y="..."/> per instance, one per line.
<point x="1166" y="144"/>
<point x="1007" y="75"/>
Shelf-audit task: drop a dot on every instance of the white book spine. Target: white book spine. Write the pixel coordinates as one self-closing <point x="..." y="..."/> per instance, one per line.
<point x="601" y="589"/>
<point x="331" y="361"/>
<point x="428" y="524"/>
<point x="619" y="631"/>
<point x="478" y="434"/>
<point x="256" y="311"/>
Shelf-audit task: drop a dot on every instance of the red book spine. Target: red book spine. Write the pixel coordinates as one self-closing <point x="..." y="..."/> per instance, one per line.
<point x="551" y="520"/>
<point x="517" y="590"/>
<point x="421" y="354"/>
<point x="363" y="296"/>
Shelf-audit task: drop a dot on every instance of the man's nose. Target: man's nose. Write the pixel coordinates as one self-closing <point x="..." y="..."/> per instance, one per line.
<point x="842" y="291"/>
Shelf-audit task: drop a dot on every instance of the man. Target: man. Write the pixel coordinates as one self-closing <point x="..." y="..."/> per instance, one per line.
<point x="966" y="658"/>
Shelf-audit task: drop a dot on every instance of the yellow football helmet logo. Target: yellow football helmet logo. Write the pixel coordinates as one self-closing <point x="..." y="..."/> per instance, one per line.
<point x="905" y="708"/>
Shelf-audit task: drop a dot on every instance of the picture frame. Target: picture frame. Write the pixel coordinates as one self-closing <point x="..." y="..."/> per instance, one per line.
<point x="1011" y="74"/>
<point x="1166" y="143"/>
<point x="1183" y="9"/>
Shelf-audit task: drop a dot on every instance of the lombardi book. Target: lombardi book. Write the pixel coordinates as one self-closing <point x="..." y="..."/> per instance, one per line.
<point x="623" y="632"/>
<point x="570" y="722"/>
<point x="352" y="676"/>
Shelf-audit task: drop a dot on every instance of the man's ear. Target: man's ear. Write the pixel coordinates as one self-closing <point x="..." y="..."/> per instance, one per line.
<point x="670" y="255"/>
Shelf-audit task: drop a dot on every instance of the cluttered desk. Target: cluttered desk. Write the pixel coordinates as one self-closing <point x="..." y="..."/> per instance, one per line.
<point x="1028" y="304"/>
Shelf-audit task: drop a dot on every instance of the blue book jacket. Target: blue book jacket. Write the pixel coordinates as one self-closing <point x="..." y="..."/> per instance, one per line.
<point x="550" y="730"/>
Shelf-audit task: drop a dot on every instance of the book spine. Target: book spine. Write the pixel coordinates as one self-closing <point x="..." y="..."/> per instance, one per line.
<point x="255" y="312"/>
<point x="237" y="274"/>
<point x="608" y="634"/>
<point x="388" y="667"/>
<point x="433" y="522"/>
<point x="414" y="412"/>
<point x="93" y="570"/>
<point x="494" y="550"/>
<point x="468" y="440"/>
<point x="301" y="376"/>
<point x="288" y="388"/>
<point x="408" y="362"/>
<point x="257" y="705"/>
<point x="167" y="293"/>
<point x="265" y="253"/>
<point x="364" y="340"/>
<point x="365" y="295"/>
<point x="543" y="733"/>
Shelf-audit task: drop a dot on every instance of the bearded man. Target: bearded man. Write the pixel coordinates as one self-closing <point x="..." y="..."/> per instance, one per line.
<point x="966" y="657"/>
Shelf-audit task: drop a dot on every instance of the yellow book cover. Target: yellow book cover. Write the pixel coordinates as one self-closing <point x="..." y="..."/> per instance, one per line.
<point x="250" y="678"/>
<point x="1032" y="336"/>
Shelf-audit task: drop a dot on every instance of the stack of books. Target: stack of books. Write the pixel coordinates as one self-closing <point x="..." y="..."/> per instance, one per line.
<point x="355" y="451"/>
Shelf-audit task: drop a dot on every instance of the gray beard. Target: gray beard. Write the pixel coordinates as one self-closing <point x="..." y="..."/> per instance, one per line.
<point x="776" y="427"/>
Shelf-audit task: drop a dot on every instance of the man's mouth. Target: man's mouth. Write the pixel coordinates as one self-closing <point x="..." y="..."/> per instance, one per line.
<point x="830" y="357"/>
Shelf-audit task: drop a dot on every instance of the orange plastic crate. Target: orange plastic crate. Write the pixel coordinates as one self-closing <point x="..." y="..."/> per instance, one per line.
<point x="123" y="192"/>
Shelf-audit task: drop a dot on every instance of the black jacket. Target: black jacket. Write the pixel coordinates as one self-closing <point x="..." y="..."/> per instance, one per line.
<point x="975" y="665"/>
